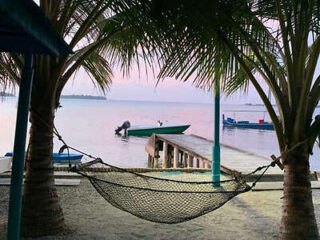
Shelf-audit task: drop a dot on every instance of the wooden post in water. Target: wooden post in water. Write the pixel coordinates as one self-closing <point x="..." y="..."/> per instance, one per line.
<point x="155" y="162"/>
<point x="165" y="155"/>
<point x="181" y="158"/>
<point x="170" y="156"/>
<point x="195" y="162"/>
<point x="185" y="159"/>
<point x="206" y="164"/>
<point x="190" y="161"/>
<point x="156" y="159"/>
<point x="201" y="163"/>
<point x="150" y="163"/>
<point x="175" y="157"/>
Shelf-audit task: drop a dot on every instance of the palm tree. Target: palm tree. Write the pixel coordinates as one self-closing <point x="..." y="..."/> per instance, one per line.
<point x="260" y="42"/>
<point x="99" y="39"/>
<point x="231" y="42"/>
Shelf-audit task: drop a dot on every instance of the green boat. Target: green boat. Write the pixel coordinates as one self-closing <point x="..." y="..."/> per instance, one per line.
<point x="147" y="131"/>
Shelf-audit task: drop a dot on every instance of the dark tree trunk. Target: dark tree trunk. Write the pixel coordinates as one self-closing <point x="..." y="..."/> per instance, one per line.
<point x="41" y="211"/>
<point x="298" y="218"/>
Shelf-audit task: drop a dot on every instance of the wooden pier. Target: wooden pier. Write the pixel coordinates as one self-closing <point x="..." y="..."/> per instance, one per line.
<point x="191" y="151"/>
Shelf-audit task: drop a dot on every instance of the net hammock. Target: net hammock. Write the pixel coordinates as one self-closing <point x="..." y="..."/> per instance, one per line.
<point x="161" y="200"/>
<point x="157" y="199"/>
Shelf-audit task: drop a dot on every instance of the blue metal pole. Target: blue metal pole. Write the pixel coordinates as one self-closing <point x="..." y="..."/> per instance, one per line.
<point x="216" y="146"/>
<point x="19" y="150"/>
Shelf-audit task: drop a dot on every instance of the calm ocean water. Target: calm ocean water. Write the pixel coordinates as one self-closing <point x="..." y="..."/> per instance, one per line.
<point x="89" y="125"/>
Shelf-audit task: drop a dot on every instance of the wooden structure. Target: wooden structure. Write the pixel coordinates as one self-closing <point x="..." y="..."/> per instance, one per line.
<point x="194" y="153"/>
<point x="181" y="151"/>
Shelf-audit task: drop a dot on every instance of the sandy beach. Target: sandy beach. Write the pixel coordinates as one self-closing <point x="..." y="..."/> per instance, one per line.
<point x="252" y="215"/>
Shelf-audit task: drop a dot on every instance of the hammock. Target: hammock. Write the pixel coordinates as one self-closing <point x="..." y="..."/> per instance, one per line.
<point x="161" y="200"/>
<point x="157" y="199"/>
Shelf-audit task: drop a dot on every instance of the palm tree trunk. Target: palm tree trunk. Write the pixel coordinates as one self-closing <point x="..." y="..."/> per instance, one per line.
<point x="41" y="210"/>
<point x="298" y="218"/>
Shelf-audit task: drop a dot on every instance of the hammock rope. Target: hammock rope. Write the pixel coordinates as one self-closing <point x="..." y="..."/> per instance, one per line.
<point x="157" y="199"/>
<point x="162" y="200"/>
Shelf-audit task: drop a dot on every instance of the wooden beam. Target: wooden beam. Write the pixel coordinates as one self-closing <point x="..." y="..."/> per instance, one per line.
<point x="190" y="161"/>
<point x="201" y="163"/>
<point x="165" y="154"/>
<point x="175" y="157"/>
<point x="195" y="162"/>
<point x="279" y="164"/>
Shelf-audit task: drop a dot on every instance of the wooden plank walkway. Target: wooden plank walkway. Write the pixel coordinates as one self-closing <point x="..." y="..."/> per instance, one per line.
<point x="201" y="148"/>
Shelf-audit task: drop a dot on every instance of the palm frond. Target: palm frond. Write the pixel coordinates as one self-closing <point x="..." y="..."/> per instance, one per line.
<point x="98" y="70"/>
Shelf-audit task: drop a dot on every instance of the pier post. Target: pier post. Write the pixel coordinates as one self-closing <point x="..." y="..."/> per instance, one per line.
<point x="206" y="165"/>
<point x="170" y="157"/>
<point x="216" y="147"/>
<point x="175" y="157"/>
<point x="201" y="163"/>
<point x="165" y="155"/>
<point x="195" y="162"/>
<point x="190" y="161"/>
<point x="155" y="159"/>
<point x="185" y="161"/>
<point x="150" y="165"/>
<point x="155" y="162"/>
<point x="181" y="158"/>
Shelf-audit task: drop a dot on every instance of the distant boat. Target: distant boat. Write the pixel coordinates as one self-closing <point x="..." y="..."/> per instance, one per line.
<point x="147" y="131"/>
<point x="230" y="122"/>
<point x="62" y="158"/>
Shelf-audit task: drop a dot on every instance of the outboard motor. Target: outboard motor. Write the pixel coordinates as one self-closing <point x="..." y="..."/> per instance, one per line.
<point x="124" y="126"/>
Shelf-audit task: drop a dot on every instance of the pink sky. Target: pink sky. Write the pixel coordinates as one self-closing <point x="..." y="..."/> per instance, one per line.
<point x="143" y="88"/>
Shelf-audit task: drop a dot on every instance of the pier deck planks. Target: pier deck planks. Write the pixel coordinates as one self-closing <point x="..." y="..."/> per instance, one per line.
<point x="231" y="157"/>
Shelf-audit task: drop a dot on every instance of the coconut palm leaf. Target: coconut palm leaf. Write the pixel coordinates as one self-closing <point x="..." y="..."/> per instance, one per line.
<point x="98" y="70"/>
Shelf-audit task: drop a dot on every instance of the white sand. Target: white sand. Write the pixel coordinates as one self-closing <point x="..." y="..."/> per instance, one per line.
<point x="253" y="215"/>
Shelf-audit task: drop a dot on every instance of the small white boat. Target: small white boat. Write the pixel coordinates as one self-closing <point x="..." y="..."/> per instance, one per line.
<point x="5" y="164"/>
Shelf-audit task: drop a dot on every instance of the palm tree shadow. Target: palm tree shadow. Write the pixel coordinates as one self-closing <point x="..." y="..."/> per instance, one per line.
<point x="261" y="222"/>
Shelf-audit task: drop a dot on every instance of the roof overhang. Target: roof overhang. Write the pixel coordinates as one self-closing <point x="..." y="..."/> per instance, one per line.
<point x="25" y="28"/>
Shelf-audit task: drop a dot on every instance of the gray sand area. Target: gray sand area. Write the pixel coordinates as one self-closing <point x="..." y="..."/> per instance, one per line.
<point x="252" y="215"/>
